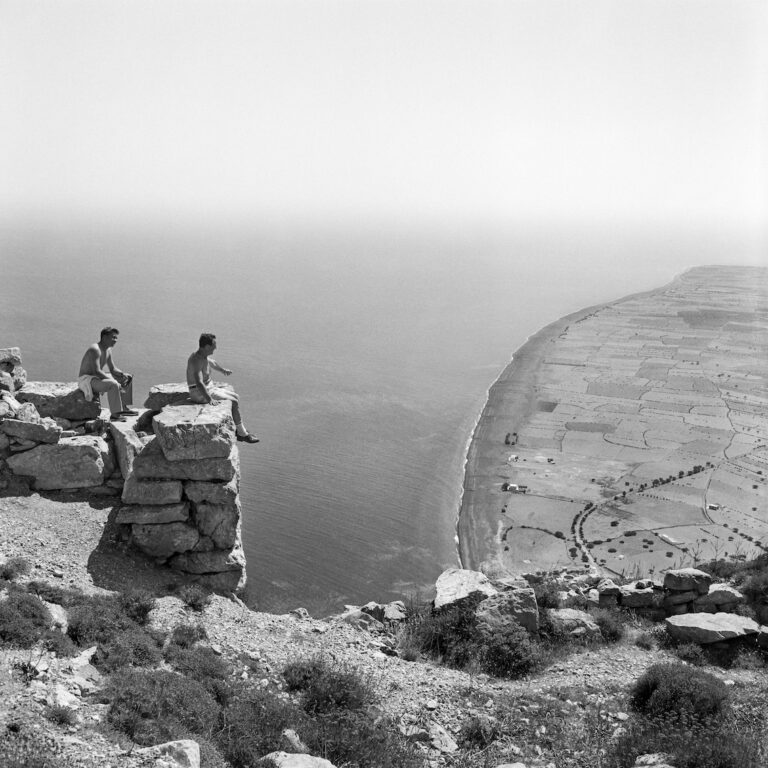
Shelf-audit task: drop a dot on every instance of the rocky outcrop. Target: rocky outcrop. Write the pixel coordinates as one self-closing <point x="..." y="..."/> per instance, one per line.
<point x="515" y="604"/>
<point x="73" y="462"/>
<point x="63" y="400"/>
<point x="457" y="584"/>
<point x="181" y="493"/>
<point x="12" y="375"/>
<point x="570" y="621"/>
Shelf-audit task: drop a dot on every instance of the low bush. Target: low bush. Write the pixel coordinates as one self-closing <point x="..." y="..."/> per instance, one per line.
<point x="97" y="619"/>
<point x="509" y="652"/>
<point x="692" y="653"/>
<point x="611" y="624"/>
<point x="61" y="715"/>
<point x="645" y="640"/>
<point x="328" y="686"/>
<point x="678" y="691"/>
<point x="14" y="567"/>
<point x="134" y="648"/>
<point x="204" y="665"/>
<point x="186" y="635"/>
<point x="23" y="619"/>
<point x="136" y="605"/>
<point x="59" y="643"/>
<point x="51" y="593"/>
<point x="153" y="706"/>
<point x="755" y="588"/>
<point x="547" y="592"/>
<point x="194" y="596"/>
<point x="479" y="732"/>
<point x="21" y="747"/>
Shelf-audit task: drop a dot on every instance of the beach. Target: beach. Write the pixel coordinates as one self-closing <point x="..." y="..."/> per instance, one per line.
<point x="631" y="434"/>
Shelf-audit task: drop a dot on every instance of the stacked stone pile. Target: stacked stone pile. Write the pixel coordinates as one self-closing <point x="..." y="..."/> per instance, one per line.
<point x="181" y="502"/>
<point x="12" y="375"/>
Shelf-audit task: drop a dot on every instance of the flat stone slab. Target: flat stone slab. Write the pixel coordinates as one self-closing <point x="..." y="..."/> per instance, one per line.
<point x="704" y="628"/>
<point x="153" y="514"/>
<point x="46" y="431"/>
<point x="151" y="463"/>
<point x="151" y="492"/>
<point x="162" y="395"/>
<point x="62" y="399"/>
<point x="213" y="493"/>
<point x="164" y="540"/>
<point x="74" y="462"/>
<point x="215" y="561"/>
<point x="686" y="579"/>
<point x="457" y="584"/>
<point x="127" y="443"/>
<point x="187" y="432"/>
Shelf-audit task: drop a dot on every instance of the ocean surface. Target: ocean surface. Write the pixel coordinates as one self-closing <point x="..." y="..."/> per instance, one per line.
<point x="363" y="359"/>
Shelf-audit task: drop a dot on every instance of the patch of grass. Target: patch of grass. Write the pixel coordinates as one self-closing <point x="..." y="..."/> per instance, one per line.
<point x="611" y="623"/>
<point x="61" y="715"/>
<point x="51" y="593"/>
<point x="479" y="732"/>
<point x="547" y="592"/>
<point x="14" y="567"/>
<point x="97" y="619"/>
<point x="156" y="706"/>
<point x="137" y="605"/>
<point x="646" y="640"/>
<point x="23" y="619"/>
<point x="509" y="652"/>
<point x="186" y="635"/>
<point x="692" y="653"/>
<point x="328" y="686"/>
<point x="132" y="648"/>
<point x="678" y="691"/>
<point x="204" y="665"/>
<point x="59" y="643"/>
<point x="194" y="596"/>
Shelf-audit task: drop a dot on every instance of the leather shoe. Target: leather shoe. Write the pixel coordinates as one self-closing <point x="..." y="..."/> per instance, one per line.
<point x="246" y="438"/>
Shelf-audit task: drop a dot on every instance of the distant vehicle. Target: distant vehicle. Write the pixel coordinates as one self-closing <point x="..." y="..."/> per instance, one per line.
<point x="550" y="461"/>
<point x="713" y="507"/>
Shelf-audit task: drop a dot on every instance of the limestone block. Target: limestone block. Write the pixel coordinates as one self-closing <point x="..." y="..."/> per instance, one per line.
<point x="649" y="597"/>
<point x="298" y="760"/>
<point x="214" y="493"/>
<point x="164" y="540"/>
<point x="220" y="522"/>
<point x="136" y="491"/>
<point x="573" y="622"/>
<point x="10" y="355"/>
<point x="28" y="413"/>
<point x="721" y="597"/>
<point x="5" y="442"/>
<point x="457" y="584"/>
<point x="684" y="579"/>
<point x="59" y="399"/>
<point x="679" y="598"/>
<point x="6" y="382"/>
<point x="183" y="753"/>
<point x="704" y="628"/>
<point x="162" y="395"/>
<point x="74" y="462"/>
<point x="47" y="431"/>
<point x="608" y="587"/>
<point x="8" y="407"/>
<point x="151" y="463"/>
<point x="512" y="606"/>
<point x="151" y="514"/>
<point x="394" y="611"/>
<point x="215" y="561"/>
<point x="191" y="432"/>
<point x="127" y="445"/>
<point x="17" y="444"/>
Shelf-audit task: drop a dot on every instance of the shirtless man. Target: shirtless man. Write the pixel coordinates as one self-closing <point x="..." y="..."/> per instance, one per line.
<point x="93" y="379"/>
<point x="203" y="390"/>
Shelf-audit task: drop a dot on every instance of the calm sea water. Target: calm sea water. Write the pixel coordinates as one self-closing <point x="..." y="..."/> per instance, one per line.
<point x="363" y="361"/>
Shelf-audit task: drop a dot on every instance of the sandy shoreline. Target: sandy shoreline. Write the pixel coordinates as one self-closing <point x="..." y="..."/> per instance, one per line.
<point x="510" y="404"/>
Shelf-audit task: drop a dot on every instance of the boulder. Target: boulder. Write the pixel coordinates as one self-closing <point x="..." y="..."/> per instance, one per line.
<point x="513" y="605"/>
<point x="153" y="514"/>
<point x="687" y="579"/>
<point x="74" y="462"/>
<point x="457" y="584"/>
<point x="720" y="598"/>
<point x="151" y="463"/>
<point x="137" y="491"/>
<point x="214" y="493"/>
<point x="636" y="596"/>
<point x="47" y="431"/>
<point x="672" y="599"/>
<point x="127" y="444"/>
<point x="192" y="432"/>
<point x="220" y="522"/>
<point x="28" y="413"/>
<point x="394" y="611"/>
<point x="298" y="760"/>
<point x="6" y="381"/>
<point x="229" y="564"/>
<point x="570" y="621"/>
<point x="183" y="753"/>
<point x="10" y="355"/>
<point x="704" y="628"/>
<point x="65" y="400"/>
<point x="164" y="540"/>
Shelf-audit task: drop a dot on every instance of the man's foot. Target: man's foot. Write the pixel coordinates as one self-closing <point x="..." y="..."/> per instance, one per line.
<point x="117" y="417"/>
<point x="246" y="438"/>
<point x="129" y="412"/>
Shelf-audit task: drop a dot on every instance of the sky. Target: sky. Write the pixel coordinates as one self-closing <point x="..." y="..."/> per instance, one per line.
<point x="639" y="113"/>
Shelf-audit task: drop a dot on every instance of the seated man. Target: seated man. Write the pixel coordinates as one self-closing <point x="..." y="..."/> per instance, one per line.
<point x="203" y="390"/>
<point x="93" y="379"/>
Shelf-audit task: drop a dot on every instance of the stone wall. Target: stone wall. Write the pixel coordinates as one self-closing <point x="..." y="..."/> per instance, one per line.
<point x="176" y="467"/>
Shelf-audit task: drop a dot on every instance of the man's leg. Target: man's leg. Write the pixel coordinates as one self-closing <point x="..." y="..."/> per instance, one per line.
<point x="242" y="432"/>
<point x="112" y="388"/>
<point x="127" y="393"/>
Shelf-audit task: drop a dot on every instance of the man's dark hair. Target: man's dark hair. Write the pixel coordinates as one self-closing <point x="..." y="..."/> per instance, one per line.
<point x="108" y="331"/>
<point x="206" y="339"/>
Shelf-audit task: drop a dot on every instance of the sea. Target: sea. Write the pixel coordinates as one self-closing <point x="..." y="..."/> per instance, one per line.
<point x="363" y="355"/>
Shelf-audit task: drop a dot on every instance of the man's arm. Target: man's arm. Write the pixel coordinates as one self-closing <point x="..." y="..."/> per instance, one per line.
<point x="218" y="367"/>
<point x="90" y="364"/>
<point x="121" y="376"/>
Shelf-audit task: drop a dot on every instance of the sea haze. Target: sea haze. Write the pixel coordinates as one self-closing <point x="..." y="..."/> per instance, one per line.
<point x="362" y="359"/>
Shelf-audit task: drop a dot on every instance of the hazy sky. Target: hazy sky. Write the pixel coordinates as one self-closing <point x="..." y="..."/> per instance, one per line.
<point x="527" y="110"/>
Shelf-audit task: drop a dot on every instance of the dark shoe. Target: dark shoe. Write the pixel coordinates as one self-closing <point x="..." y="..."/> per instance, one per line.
<point x="129" y="412"/>
<point x="117" y="417"/>
<point x="247" y="438"/>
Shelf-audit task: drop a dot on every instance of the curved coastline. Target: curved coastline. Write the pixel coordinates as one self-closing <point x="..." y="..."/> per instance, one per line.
<point x="475" y="527"/>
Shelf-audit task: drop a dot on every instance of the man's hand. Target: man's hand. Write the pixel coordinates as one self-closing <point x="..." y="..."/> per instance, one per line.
<point x="226" y="371"/>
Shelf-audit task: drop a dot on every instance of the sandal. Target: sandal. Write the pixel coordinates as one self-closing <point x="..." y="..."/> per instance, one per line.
<point x="129" y="412"/>
<point x="117" y="417"/>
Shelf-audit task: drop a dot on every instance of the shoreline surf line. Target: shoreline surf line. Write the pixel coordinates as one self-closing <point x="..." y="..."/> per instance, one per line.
<point x="476" y="527"/>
